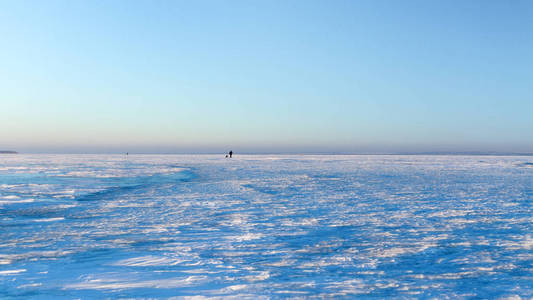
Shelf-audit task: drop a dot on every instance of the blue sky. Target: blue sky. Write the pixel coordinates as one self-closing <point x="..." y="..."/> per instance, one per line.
<point x="266" y="76"/>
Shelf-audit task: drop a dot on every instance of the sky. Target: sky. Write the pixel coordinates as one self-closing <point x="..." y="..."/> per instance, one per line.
<point x="266" y="76"/>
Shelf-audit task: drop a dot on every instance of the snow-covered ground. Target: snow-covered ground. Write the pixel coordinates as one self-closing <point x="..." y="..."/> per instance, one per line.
<point x="97" y="226"/>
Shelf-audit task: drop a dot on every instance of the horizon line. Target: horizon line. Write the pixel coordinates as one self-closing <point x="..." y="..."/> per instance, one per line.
<point x="451" y="153"/>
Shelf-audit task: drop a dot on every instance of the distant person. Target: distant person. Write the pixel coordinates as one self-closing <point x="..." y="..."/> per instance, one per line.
<point x="230" y="154"/>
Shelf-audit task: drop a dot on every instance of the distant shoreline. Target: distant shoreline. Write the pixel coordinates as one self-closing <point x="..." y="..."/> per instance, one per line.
<point x="8" y="152"/>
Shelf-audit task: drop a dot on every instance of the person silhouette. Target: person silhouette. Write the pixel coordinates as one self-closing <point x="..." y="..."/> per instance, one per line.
<point x="230" y="154"/>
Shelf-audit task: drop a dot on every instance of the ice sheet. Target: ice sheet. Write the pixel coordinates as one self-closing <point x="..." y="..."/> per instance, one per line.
<point x="149" y="226"/>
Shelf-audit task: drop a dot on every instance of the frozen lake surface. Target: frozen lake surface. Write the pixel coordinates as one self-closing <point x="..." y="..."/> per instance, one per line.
<point x="97" y="226"/>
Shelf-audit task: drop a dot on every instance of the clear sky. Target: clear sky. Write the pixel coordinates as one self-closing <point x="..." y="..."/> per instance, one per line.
<point x="266" y="76"/>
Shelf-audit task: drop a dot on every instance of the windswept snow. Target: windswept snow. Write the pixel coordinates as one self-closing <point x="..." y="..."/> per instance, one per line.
<point x="113" y="226"/>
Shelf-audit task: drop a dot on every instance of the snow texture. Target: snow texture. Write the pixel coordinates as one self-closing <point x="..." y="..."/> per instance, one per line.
<point x="115" y="226"/>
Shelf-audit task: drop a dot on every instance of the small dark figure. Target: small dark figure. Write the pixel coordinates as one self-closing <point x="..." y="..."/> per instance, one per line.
<point x="230" y="154"/>
<point x="227" y="156"/>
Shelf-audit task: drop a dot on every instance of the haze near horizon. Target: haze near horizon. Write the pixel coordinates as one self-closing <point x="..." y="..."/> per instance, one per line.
<point x="270" y="76"/>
